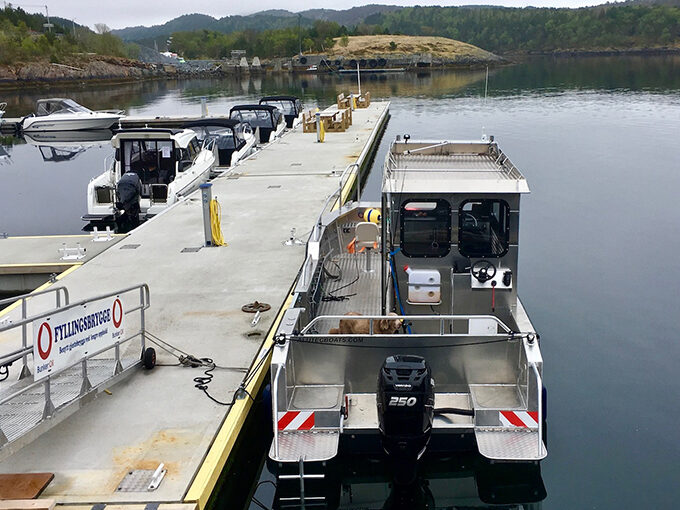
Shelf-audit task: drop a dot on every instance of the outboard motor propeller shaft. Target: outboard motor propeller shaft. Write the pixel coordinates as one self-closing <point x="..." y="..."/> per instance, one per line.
<point x="405" y="402"/>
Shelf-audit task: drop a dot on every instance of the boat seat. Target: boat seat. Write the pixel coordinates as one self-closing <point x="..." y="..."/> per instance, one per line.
<point x="366" y="235"/>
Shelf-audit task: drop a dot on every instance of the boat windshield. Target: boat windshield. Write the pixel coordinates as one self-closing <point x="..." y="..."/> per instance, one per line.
<point x="224" y="137"/>
<point x="256" y="118"/>
<point x="60" y="107"/>
<point x="287" y="107"/>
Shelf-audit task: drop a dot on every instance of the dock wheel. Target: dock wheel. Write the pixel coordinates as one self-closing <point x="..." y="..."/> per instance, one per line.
<point x="149" y="358"/>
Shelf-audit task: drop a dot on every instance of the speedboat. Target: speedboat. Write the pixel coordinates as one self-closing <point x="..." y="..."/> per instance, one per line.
<point x="168" y="163"/>
<point x="57" y="114"/>
<point x="232" y="139"/>
<point x="266" y="119"/>
<point x="290" y="106"/>
<point x="405" y="334"/>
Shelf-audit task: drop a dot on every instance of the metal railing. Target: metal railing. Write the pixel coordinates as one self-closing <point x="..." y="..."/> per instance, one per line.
<point x="275" y="409"/>
<point x="442" y="319"/>
<point x="9" y="358"/>
<point x="539" y="390"/>
<point x="23" y="415"/>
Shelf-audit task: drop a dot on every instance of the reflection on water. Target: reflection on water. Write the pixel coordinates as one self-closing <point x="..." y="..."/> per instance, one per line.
<point x="463" y="481"/>
<point x="596" y="139"/>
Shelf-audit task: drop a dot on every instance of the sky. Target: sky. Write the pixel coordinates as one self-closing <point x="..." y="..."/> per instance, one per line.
<point x="125" y="13"/>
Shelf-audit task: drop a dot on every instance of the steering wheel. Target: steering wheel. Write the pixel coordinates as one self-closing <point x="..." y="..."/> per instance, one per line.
<point x="483" y="270"/>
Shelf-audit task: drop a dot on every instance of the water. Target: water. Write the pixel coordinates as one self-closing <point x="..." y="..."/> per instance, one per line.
<point x="597" y="141"/>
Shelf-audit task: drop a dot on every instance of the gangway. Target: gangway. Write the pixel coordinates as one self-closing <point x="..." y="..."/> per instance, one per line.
<point x="32" y="401"/>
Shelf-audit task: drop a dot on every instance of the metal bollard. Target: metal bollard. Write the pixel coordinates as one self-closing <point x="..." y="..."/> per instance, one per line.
<point x="318" y="126"/>
<point x="204" y="107"/>
<point x="206" y="197"/>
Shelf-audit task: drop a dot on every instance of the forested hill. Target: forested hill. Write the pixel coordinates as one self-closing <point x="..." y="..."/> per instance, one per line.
<point x="265" y="20"/>
<point x="503" y="30"/>
<point x="24" y="38"/>
<point x="620" y="26"/>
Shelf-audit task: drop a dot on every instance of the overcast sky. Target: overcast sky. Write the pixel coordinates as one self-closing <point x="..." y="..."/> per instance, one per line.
<point x="125" y="13"/>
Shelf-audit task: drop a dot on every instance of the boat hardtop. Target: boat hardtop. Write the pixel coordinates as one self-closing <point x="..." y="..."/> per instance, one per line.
<point x="290" y="106"/>
<point x="405" y="328"/>
<point x="169" y="163"/>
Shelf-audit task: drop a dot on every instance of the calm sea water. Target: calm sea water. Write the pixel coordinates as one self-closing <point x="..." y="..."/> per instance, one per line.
<point x="597" y="140"/>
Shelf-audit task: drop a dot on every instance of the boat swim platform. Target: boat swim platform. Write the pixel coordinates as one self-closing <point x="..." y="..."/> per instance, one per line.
<point x="196" y="294"/>
<point x="27" y="262"/>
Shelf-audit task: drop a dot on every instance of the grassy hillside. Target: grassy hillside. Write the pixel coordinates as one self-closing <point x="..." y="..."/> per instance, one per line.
<point x="388" y="45"/>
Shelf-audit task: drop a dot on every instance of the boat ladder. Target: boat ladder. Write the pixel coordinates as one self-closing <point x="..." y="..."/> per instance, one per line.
<point x="300" y="499"/>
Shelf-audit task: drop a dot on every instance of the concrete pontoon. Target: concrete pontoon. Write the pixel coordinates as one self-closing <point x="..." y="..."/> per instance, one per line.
<point x="194" y="301"/>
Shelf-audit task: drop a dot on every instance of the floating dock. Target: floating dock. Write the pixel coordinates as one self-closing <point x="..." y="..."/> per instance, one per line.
<point x="27" y="262"/>
<point x="269" y="203"/>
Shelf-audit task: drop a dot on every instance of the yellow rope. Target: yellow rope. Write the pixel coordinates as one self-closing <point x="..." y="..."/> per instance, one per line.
<point x="216" y="229"/>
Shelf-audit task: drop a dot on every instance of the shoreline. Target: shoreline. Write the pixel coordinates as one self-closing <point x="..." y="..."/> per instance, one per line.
<point x="113" y="70"/>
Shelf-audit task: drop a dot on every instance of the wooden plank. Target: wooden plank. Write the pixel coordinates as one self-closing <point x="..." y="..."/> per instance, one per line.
<point x="23" y="486"/>
<point x="27" y="504"/>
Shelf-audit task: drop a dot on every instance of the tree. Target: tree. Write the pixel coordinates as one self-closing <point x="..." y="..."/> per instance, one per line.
<point x="101" y="28"/>
<point x="344" y="40"/>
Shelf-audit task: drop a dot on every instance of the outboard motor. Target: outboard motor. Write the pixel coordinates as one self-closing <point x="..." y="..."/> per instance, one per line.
<point x="129" y="191"/>
<point x="405" y="412"/>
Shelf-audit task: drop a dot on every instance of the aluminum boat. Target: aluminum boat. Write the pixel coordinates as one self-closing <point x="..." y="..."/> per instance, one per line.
<point x="58" y="114"/>
<point x="405" y="334"/>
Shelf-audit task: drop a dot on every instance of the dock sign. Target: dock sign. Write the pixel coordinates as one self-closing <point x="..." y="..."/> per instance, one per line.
<point x="65" y="338"/>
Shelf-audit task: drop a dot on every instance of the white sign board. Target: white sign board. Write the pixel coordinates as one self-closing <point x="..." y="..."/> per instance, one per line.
<point x="65" y="338"/>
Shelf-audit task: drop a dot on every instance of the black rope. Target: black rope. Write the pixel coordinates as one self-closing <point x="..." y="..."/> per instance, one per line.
<point x="4" y="372"/>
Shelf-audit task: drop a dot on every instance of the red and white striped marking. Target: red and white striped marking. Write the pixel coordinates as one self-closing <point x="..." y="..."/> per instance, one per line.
<point x="296" y="420"/>
<point x="526" y="419"/>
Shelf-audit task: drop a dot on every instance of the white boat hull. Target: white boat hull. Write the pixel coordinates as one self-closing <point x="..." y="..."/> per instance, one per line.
<point x="69" y="122"/>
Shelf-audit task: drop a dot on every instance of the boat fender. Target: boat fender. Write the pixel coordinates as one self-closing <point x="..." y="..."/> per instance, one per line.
<point x="372" y="215"/>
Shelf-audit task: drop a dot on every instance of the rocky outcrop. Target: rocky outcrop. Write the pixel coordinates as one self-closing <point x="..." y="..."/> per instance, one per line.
<point x="76" y="68"/>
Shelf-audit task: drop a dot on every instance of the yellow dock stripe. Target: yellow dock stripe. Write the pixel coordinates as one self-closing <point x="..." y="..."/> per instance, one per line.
<point x="45" y="285"/>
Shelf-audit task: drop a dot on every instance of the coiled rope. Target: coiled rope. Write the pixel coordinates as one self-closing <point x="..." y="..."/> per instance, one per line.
<point x="215" y="227"/>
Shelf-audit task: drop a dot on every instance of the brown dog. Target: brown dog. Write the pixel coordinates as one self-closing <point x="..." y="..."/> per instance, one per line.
<point x="362" y="326"/>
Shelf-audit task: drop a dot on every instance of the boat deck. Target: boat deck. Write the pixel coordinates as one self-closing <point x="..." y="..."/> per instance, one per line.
<point x="196" y="293"/>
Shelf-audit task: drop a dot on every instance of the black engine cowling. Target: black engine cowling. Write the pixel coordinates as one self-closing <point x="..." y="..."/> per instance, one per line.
<point x="405" y="408"/>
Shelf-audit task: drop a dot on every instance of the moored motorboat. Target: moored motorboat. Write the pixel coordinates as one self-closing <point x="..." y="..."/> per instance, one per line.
<point x="405" y="334"/>
<point x="267" y="120"/>
<point x="59" y="114"/>
<point x="162" y="164"/>
<point x="232" y="139"/>
<point x="290" y="106"/>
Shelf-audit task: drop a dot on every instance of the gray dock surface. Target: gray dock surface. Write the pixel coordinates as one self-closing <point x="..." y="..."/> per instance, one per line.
<point x="196" y="297"/>
<point x="28" y="261"/>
